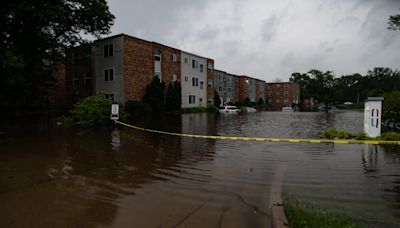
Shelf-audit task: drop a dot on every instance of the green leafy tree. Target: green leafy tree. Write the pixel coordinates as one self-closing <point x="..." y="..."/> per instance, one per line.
<point x="391" y="108"/>
<point x="154" y="95"/>
<point x="261" y="101"/>
<point x="173" y="102"/>
<point x="217" y="100"/>
<point x="35" y="36"/>
<point x="93" y="110"/>
<point x="321" y="86"/>
<point x="394" y="22"/>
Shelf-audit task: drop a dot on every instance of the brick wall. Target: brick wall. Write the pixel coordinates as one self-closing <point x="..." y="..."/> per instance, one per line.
<point x="79" y="81"/>
<point x="138" y="67"/>
<point x="278" y="92"/>
<point x="210" y="76"/>
<point x="169" y="66"/>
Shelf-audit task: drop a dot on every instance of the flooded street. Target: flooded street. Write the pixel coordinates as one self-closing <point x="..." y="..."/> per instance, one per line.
<point x="64" y="177"/>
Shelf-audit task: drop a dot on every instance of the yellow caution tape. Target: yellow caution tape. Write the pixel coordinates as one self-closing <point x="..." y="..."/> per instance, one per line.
<point x="336" y="141"/>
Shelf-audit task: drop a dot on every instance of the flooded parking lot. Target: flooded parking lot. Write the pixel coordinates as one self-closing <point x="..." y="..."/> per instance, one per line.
<point x="65" y="177"/>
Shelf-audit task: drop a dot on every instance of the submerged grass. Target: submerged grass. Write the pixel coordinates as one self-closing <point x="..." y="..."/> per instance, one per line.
<point x="303" y="215"/>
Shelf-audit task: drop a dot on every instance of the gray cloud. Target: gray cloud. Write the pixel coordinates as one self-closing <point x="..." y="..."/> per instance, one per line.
<point x="269" y="39"/>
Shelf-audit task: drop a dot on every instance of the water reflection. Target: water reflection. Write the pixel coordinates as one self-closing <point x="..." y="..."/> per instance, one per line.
<point x="128" y="178"/>
<point x="370" y="158"/>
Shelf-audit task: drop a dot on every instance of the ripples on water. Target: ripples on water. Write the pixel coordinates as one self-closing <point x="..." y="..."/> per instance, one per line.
<point x="126" y="178"/>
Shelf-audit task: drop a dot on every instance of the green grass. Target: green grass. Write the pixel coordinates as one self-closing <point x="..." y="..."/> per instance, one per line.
<point x="386" y="136"/>
<point x="301" y="215"/>
<point x="332" y="134"/>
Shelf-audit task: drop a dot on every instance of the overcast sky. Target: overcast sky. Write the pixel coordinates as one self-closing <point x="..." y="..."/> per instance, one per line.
<point x="269" y="39"/>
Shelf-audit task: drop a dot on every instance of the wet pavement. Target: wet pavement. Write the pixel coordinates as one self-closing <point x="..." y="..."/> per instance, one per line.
<point x="70" y="177"/>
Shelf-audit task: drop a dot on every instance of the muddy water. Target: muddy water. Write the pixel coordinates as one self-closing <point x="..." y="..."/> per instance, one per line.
<point x="57" y="177"/>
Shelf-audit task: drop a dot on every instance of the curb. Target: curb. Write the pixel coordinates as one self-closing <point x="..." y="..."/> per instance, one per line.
<point x="278" y="216"/>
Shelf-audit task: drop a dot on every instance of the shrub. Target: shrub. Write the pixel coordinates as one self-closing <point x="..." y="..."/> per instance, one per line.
<point x="154" y="95"/>
<point x="390" y="136"/>
<point x="247" y="102"/>
<point x="137" y="109"/>
<point x="93" y="110"/>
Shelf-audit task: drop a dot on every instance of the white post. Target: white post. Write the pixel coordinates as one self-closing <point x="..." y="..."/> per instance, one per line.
<point x="372" y="116"/>
<point x="114" y="112"/>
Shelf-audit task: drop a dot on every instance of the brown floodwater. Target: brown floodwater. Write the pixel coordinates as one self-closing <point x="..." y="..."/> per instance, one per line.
<point x="119" y="177"/>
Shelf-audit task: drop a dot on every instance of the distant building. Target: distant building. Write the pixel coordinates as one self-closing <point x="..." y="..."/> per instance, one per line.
<point x="282" y="94"/>
<point x="250" y="87"/>
<point x="226" y="85"/>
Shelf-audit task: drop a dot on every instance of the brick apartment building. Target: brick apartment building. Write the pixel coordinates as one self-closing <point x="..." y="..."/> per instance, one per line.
<point x="251" y="88"/>
<point x="281" y="94"/>
<point x="121" y="66"/>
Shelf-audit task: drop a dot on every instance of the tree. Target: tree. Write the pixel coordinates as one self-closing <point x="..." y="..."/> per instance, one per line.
<point x="35" y="35"/>
<point x="217" y="100"/>
<point x="93" y="110"/>
<point x="394" y="22"/>
<point x="173" y="101"/>
<point x="391" y="108"/>
<point x="261" y="101"/>
<point x="321" y="86"/>
<point x="154" y="95"/>
<point x="247" y="102"/>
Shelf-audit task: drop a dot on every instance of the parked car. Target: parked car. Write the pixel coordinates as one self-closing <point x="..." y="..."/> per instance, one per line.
<point x="287" y="109"/>
<point x="228" y="109"/>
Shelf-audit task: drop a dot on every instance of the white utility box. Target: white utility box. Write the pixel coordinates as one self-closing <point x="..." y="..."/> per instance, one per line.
<point x="373" y="116"/>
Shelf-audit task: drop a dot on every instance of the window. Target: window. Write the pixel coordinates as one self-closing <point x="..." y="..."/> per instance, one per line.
<point x="109" y="74"/>
<point x="195" y="82"/>
<point x="173" y="57"/>
<point x="210" y="66"/>
<point x="219" y="88"/>
<point x="277" y="100"/>
<point x="201" y="67"/>
<point x="278" y="85"/>
<point x="210" y="83"/>
<point x="200" y="100"/>
<point x="186" y="60"/>
<point x="157" y="57"/>
<point x="174" y="77"/>
<point x="186" y="78"/>
<point x="277" y="93"/>
<point x="229" y="89"/>
<point x="110" y="96"/>
<point x="88" y="79"/>
<point x="201" y="85"/>
<point x="286" y="86"/>
<point x="210" y="99"/>
<point x="286" y="93"/>
<point x="270" y="94"/>
<point x="158" y="75"/>
<point x="285" y="101"/>
<point x="269" y="101"/>
<point x="192" y="99"/>
<point x="193" y="63"/>
<point x="197" y="64"/>
<point x="108" y="50"/>
<point x="75" y="79"/>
